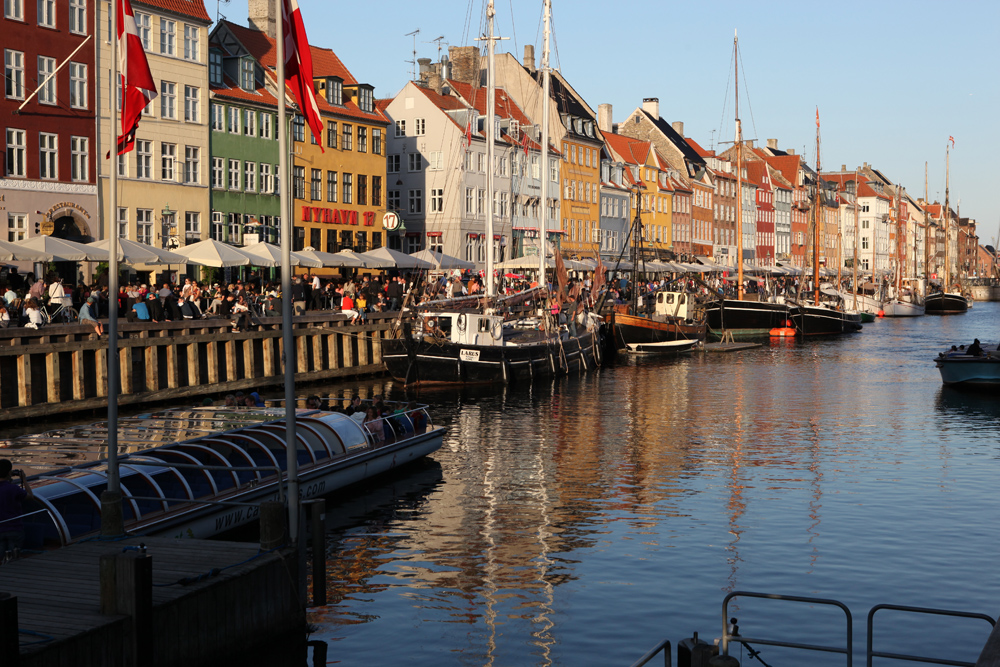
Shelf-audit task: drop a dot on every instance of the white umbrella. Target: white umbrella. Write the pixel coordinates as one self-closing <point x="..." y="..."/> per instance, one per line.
<point x="385" y="257"/>
<point x="133" y="252"/>
<point x="214" y="253"/>
<point x="366" y="262"/>
<point x="328" y="258"/>
<point x="266" y="254"/>
<point x="63" y="250"/>
<point x="442" y="261"/>
<point x="10" y="252"/>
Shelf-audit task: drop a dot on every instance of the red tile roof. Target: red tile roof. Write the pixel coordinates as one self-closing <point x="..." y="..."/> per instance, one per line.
<point x="756" y="172"/>
<point x="192" y="8"/>
<point x="864" y="190"/>
<point x="698" y="149"/>
<point x="232" y="91"/>
<point x="632" y="151"/>
<point x="787" y="165"/>
<point x="504" y="106"/>
<point x="257" y="43"/>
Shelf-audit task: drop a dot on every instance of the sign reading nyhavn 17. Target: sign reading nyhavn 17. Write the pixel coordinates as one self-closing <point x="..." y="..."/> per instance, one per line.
<point x="336" y="216"/>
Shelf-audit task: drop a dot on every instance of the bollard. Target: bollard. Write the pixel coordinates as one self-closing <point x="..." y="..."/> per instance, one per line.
<point x="126" y="581"/>
<point x="273" y="523"/>
<point x="723" y="661"/>
<point x="319" y="648"/>
<point x="318" y="509"/>
<point x="112" y="521"/>
<point x="9" y="638"/>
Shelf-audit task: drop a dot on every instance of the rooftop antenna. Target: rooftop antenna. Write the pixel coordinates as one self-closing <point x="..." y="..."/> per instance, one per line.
<point x="413" y="63"/>
<point x="712" y="141"/>
<point x="437" y="40"/>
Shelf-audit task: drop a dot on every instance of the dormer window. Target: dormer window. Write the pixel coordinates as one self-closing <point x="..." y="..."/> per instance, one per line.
<point x="335" y="91"/>
<point x="366" y="98"/>
<point x="247" y="74"/>
<point x="215" y="68"/>
<point x="514" y="130"/>
<point x="589" y="128"/>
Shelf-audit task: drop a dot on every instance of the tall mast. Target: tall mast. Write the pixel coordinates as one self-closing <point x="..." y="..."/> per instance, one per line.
<point x="739" y="173"/>
<point x="927" y="238"/>
<point x="899" y="239"/>
<point x="857" y="237"/>
<point x="816" y="223"/>
<point x="947" y="221"/>
<point x="544" y="172"/>
<point x="491" y="93"/>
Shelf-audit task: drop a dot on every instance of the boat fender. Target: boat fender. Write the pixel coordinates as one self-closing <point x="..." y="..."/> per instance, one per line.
<point x="463" y="321"/>
<point x="881" y="313"/>
<point x="496" y="329"/>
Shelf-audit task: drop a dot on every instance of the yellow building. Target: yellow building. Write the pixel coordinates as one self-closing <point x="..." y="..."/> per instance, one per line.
<point x="163" y="185"/>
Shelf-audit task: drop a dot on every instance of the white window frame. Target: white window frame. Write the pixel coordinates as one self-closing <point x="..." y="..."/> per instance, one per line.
<point x="48" y="156"/>
<point x="192" y="102"/>
<point x="392" y="166"/>
<point x="144" y="225"/>
<point x="79" y="159"/>
<point x="250" y="122"/>
<point x="400" y="128"/>
<point x="46" y="90"/>
<point x="217" y="230"/>
<point x="192" y="223"/>
<point x="218" y="173"/>
<point x="142" y="26"/>
<point x="122" y="222"/>
<point x="143" y="159"/>
<point x="218" y="117"/>
<point x="168" y="100"/>
<point x="414" y="162"/>
<point x="78" y="85"/>
<point x="419" y="127"/>
<point x="168" y="37"/>
<point x="266" y="182"/>
<point x="192" y="165"/>
<point x="437" y="200"/>
<point x="78" y="17"/>
<point x="250" y="176"/>
<point x="13" y="62"/>
<point x="435" y="161"/>
<point x="168" y="162"/>
<point x="17" y="227"/>
<point x="265" y="125"/>
<point x="235" y="169"/>
<point x="415" y="201"/>
<point x="191" y="38"/>
<point x="13" y="9"/>
<point x="47" y="13"/>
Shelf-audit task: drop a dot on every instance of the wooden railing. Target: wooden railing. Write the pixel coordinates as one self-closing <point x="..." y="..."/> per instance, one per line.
<point x="63" y="368"/>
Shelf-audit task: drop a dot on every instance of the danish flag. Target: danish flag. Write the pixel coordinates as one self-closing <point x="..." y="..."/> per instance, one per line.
<point x="298" y="66"/>
<point x="138" y="87"/>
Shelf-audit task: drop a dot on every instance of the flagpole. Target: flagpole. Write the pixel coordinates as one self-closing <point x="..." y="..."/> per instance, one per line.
<point x="287" y="334"/>
<point x="544" y="157"/>
<point x="112" y="520"/>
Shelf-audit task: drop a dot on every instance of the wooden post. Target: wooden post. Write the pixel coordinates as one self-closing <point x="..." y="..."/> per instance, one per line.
<point x="268" y="352"/>
<point x="212" y="359"/>
<point x="9" y="646"/>
<point x="101" y="366"/>
<point x="318" y="509"/>
<point x="249" y="359"/>
<point x="301" y="358"/>
<point x="348" y="350"/>
<point x="172" y="371"/>
<point x="333" y="350"/>
<point x="79" y="388"/>
<point x="377" y="337"/>
<point x="194" y="365"/>
<point x="125" y="366"/>
<point x="363" y="356"/>
<point x="317" y="342"/>
<point x="152" y="367"/>
<point x="24" y="379"/>
<point x="126" y="581"/>
<point x="52" y="377"/>
<point x="230" y="359"/>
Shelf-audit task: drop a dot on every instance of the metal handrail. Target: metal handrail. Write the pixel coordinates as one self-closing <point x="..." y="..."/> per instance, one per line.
<point x="727" y="635"/>
<point x="917" y="610"/>
<point x="662" y="646"/>
<point x="21" y="516"/>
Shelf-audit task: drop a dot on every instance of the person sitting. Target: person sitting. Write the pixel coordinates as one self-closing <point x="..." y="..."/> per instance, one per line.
<point x="4" y="315"/>
<point x="87" y="316"/>
<point x="138" y="313"/>
<point x="373" y="422"/>
<point x="155" y="308"/>
<point x="241" y="315"/>
<point x="975" y="349"/>
<point x="33" y="313"/>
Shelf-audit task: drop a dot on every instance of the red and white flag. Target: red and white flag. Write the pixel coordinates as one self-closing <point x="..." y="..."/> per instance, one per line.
<point x="524" y="142"/>
<point x="952" y="140"/>
<point x="468" y="132"/>
<point x="817" y="116"/>
<point x="138" y="87"/>
<point x="299" y="68"/>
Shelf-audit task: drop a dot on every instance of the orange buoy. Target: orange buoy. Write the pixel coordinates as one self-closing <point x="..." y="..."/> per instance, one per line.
<point x="782" y="332"/>
<point x="881" y="313"/>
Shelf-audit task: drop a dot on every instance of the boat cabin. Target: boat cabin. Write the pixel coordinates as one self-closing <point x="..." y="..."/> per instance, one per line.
<point x="463" y="328"/>
<point x="669" y="305"/>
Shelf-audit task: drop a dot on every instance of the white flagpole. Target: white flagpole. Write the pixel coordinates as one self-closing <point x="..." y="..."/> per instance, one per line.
<point x="287" y="334"/>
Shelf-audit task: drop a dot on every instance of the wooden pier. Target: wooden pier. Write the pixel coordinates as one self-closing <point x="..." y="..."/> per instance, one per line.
<point x="63" y="368"/>
<point x="76" y="605"/>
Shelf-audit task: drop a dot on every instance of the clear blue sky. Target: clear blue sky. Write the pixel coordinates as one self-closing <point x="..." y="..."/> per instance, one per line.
<point x="892" y="80"/>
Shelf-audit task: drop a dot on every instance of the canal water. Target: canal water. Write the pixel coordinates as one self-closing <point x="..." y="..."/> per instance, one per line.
<point x="583" y="521"/>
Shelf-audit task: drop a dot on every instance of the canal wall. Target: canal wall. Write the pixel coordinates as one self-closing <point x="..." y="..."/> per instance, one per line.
<point x="64" y="368"/>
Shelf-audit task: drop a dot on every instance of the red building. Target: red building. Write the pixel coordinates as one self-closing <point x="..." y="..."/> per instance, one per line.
<point x="48" y="175"/>
<point x="758" y="175"/>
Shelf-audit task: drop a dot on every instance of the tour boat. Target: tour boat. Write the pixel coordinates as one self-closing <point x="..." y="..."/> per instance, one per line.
<point x="214" y="468"/>
<point x="965" y="370"/>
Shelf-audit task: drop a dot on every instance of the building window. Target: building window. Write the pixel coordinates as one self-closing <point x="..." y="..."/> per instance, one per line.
<point x="348" y="189"/>
<point x="78" y="16"/>
<point x="299" y="128"/>
<point x="122" y="222"/>
<point x="48" y="156"/>
<point x="191" y="104"/>
<point x="167" y="36"/>
<point x="376" y="141"/>
<point x="47" y="13"/>
<point x="335" y="91"/>
<point x="366" y="99"/>
<point x="78" y="85"/>
<point x="214" y="68"/>
<point x="331" y="186"/>
<point x="265" y="126"/>
<point x="392" y="200"/>
<point x="313" y="138"/>
<point x="416" y="201"/>
<point x="192" y="164"/>
<point x="469" y="200"/>
<point x="435" y="244"/>
<point x="246" y="74"/>
<point x="234" y="120"/>
<point x="218" y="117"/>
<point x="192" y="223"/>
<point x="142" y="23"/>
<point x="419" y="127"/>
<point x="392" y="165"/>
<point x="233" y="228"/>
<point x="331" y="134"/>
<point x="168" y="157"/>
<point x="362" y="190"/>
<point x="266" y="184"/>
<point x="216" y="232"/>
<point x="123" y="165"/>
<point x="376" y="190"/>
<point x="316" y="185"/>
<point x="13" y="62"/>
<point x="143" y="159"/>
<point x="400" y="128"/>
<point x="79" y="158"/>
<point x="480" y="201"/>
<point x="414" y="161"/>
<point x="436" y="161"/>
<point x="298" y="182"/>
<point x="17" y="226"/>
<point x="168" y="100"/>
<point x="13" y="9"/>
<point x="437" y="200"/>
<point x="190" y="42"/>
<point x="47" y="92"/>
<point x="144" y="225"/>
<point x="362" y="139"/>
<point x="347" y="136"/>
<point x="250" y="176"/>
<point x="234" y="174"/>
<point x="218" y="175"/>
<point x="250" y="122"/>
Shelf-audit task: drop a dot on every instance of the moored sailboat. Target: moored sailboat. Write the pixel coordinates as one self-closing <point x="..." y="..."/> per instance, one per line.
<point x="943" y="301"/>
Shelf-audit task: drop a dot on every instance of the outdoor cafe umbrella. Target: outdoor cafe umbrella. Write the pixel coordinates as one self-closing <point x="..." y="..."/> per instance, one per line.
<point x="443" y="261"/>
<point x="269" y="255"/>
<point x="214" y="253"/>
<point x="386" y="257"/>
<point x="10" y="252"/>
<point x="366" y="262"/>
<point x="62" y="250"/>
<point x="133" y="252"/>
<point x="328" y="258"/>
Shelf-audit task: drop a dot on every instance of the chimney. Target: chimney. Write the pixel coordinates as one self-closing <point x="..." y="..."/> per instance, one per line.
<point x="262" y="17"/>
<point x="843" y="167"/>
<point x="604" y="117"/>
<point x="424" y="69"/>
<point x="772" y="143"/>
<point x="678" y="126"/>
<point x="651" y="105"/>
<point x="529" y="57"/>
<point x="464" y="63"/>
<point x="866" y="165"/>
<point x="791" y="151"/>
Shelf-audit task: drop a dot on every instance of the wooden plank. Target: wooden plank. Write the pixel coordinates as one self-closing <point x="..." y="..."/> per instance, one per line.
<point x="301" y="358"/>
<point x="101" y="368"/>
<point x="249" y="360"/>
<point x="125" y="370"/>
<point x="79" y="388"/>
<point x="24" y="379"/>
<point x="152" y="368"/>
<point x="333" y="350"/>
<point x="268" y="353"/>
<point x="317" y="345"/>
<point x="230" y="359"/>
<point x="52" y="377"/>
<point x="363" y="353"/>
<point x="212" y="359"/>
<point x="193" y="365"/>
<point x="348" y="350"/>
<point x="173" y="380"/>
